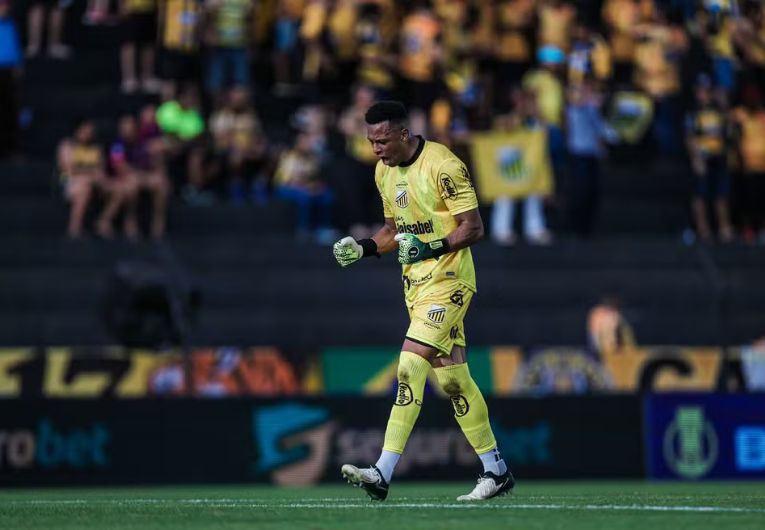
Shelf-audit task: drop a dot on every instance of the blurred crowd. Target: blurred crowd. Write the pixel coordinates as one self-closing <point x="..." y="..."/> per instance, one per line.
<point x="672" y="78"/>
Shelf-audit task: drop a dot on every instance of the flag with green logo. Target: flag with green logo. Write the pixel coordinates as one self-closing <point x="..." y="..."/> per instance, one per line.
<point x="514" y="164"/>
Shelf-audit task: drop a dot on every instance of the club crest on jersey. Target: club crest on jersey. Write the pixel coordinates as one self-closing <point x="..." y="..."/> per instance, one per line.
<point x="436" y="313"/>
<point x="402" y="199"/>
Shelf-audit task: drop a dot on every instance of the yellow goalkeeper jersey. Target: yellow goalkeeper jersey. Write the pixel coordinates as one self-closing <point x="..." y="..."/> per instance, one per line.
<point x="423" y="197"/>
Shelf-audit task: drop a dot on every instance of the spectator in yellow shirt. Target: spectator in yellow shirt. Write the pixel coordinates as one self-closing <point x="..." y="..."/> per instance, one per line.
<point x="749" y="119"/>
<point x="546" y="85"/>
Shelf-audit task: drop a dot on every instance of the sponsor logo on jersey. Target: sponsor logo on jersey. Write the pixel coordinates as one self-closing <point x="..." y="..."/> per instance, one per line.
<point x="436" y="313"/>
<point x="449" y="190"/>
<point x="415" y="228"/>
<point x="414" y="282"/>
<point x="402" y="199"/>
<point x="454" y="332"/>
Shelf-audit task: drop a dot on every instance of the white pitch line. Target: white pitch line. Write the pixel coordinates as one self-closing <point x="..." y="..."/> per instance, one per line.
<point x="336" y="504"/>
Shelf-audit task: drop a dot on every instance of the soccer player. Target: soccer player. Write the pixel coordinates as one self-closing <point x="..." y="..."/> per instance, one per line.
<point x="431" y="218"/>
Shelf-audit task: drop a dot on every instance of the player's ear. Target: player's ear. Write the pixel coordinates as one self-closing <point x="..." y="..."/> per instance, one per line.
<point x="404" y="134"/>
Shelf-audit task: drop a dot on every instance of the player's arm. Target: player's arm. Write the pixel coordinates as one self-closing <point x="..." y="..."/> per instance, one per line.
<point x="469" y="230"/>
<point x="385" y="237"/>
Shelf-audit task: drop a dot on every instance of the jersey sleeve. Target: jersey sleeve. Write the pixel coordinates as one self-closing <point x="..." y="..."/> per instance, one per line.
<point x="456" y="187"/>
<point x="379" y="171"/>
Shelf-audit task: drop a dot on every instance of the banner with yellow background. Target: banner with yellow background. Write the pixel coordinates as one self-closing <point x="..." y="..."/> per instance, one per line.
<point x="514" y="164"/>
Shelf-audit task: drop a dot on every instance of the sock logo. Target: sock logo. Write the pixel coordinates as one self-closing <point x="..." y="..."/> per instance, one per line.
<point x="460" y="405"/>
<point x="403" y="395"/>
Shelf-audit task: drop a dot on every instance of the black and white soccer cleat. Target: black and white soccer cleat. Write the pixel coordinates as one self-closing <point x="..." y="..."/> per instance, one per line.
<point x="490" y="486"/>
<point x="369" y="479"/>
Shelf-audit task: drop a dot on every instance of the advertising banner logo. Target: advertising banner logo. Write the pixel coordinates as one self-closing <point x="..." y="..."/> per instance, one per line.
<point x="705" y="436"/>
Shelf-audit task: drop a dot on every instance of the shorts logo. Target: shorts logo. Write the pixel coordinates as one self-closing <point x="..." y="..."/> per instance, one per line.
<point x="402" y="199"/>
<point x="457" y="298"/>
<point x="454" y="332"/>
<point x="403" y="395"/>
<point x="436" y="313"/>
<point x="460" y="405"/>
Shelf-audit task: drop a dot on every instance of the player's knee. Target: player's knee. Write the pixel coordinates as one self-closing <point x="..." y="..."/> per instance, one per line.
<point x="452" y="387"/>
<point x="412" y="367"/>
<point x="403" y="373"/>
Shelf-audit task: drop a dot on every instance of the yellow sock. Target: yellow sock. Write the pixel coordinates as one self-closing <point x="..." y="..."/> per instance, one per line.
<point x="412" y="373"/>
<point x="469" y="406"/>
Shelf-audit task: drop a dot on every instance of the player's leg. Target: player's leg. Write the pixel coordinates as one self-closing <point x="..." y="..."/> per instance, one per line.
<point x="470" y="408"/>
<point x="472" y="414"/>
<point x="413" y="368"/>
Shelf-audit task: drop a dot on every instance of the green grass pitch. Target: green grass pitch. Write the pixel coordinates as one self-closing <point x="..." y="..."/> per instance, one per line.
<point x="411" y="506"/>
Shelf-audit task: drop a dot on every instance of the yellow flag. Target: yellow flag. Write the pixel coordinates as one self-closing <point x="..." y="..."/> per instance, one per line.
<point x="514" y="164"/>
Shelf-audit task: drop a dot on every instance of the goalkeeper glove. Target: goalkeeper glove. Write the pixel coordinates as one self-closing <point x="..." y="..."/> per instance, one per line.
<point x="411" y="249"/>
<point x="348" y="250"/>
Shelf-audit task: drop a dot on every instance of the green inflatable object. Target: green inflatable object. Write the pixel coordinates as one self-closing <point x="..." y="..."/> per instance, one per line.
<point x="169" y="116"/>
<point x="174" y="119"/>
<point x="191" y="125"/>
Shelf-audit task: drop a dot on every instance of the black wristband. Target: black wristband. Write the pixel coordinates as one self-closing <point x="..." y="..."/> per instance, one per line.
<point x="439" y="247"/>
<point x="369" y="246"/>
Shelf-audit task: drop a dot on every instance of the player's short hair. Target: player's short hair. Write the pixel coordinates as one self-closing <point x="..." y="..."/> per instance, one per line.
<point x="392" y="111"/>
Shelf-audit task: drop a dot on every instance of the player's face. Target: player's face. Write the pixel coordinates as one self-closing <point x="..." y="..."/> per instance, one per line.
<point x="388" y="142"/>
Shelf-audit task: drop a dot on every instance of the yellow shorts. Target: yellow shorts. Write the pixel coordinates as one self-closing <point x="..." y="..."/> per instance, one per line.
<point x="437" y="316"/>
